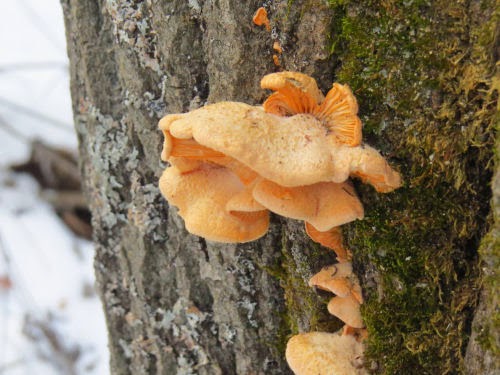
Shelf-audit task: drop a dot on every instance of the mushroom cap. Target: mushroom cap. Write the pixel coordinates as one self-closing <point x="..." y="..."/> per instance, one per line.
<point x="300" y="139"/>
<point x="338" y="205"/>
<point x="260" y="18"/>
<point x="332" y="239"/>
<point x="293" y="84"/>
<point x="277" y="47"/>
<point x="336" y="278"/>
<point x="298" y="93"/>
<point x="340" y="111"/>
<point x="304" y="156"/>
<point x="202" y="195"/>
<point x="324" y="353"/>
<point x="346" y="309"/>
<point x="324" y="204"/>
<point x="367" y="164"/>
<point x="291" y="151"/>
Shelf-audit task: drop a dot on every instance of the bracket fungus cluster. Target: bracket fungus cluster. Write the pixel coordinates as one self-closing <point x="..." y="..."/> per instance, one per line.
<point x="232" y="163"/>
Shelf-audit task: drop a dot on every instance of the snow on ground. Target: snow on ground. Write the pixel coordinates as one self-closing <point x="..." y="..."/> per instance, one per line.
<point x="51" y="321"/>
<point x="51" y="318"/>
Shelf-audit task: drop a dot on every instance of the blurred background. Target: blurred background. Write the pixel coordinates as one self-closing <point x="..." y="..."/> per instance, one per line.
<point x="51" y="320"/>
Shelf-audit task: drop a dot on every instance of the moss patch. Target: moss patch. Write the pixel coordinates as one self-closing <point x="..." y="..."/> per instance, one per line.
<point x="422" y="72"/>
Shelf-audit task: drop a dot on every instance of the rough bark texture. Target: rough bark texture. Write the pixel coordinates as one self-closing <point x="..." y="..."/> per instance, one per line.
<point x="175" y="303"/>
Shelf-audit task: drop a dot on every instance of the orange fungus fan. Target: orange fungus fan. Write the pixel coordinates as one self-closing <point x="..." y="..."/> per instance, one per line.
<point x="231" y="163"/>
<point x="293" y="156"/>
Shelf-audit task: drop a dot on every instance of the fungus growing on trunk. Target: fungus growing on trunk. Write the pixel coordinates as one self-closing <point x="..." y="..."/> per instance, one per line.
<point x="232" y="162"/>
<point x="292" y="156"/>
<point x="324" y="204"/>
<point x="346" y="309"/>
<point x="277" y="47"/>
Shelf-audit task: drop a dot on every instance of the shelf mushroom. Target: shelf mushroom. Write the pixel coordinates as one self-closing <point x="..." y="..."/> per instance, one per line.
<point x="347" y="310"/>
<point x="341" y="281"/>
<point x="231" y="163"/>
<point x="293" y="156"/>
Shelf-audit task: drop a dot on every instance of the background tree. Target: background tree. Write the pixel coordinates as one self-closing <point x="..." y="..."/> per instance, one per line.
<point x="423" y="72"/>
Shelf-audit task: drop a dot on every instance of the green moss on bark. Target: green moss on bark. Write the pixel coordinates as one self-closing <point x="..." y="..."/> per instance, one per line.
<point x="422" y="72"/>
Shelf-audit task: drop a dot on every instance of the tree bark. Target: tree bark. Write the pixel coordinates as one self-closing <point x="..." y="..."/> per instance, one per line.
<point x="175" y="303"/>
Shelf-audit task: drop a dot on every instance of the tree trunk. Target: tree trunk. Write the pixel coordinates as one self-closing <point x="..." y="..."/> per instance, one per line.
<point x="176" y="303"/>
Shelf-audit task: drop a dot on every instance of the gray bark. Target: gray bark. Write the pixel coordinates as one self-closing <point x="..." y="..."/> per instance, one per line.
<point x="175" y="303"/>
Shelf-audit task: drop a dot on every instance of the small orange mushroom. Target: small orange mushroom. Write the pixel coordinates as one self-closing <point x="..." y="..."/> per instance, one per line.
<point x="277" y="47"/>
<point x="276" y="60"/>
<point x="346" y="309"/>
<point x="295" y="93"/>
<point x="260" y="18"/>
<point x="340" y="280"/>
<point x="336" y="278"/>
<point x="324" y="353"/>
<point x="298" y="93"/>
<point x="332" y="239"/>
